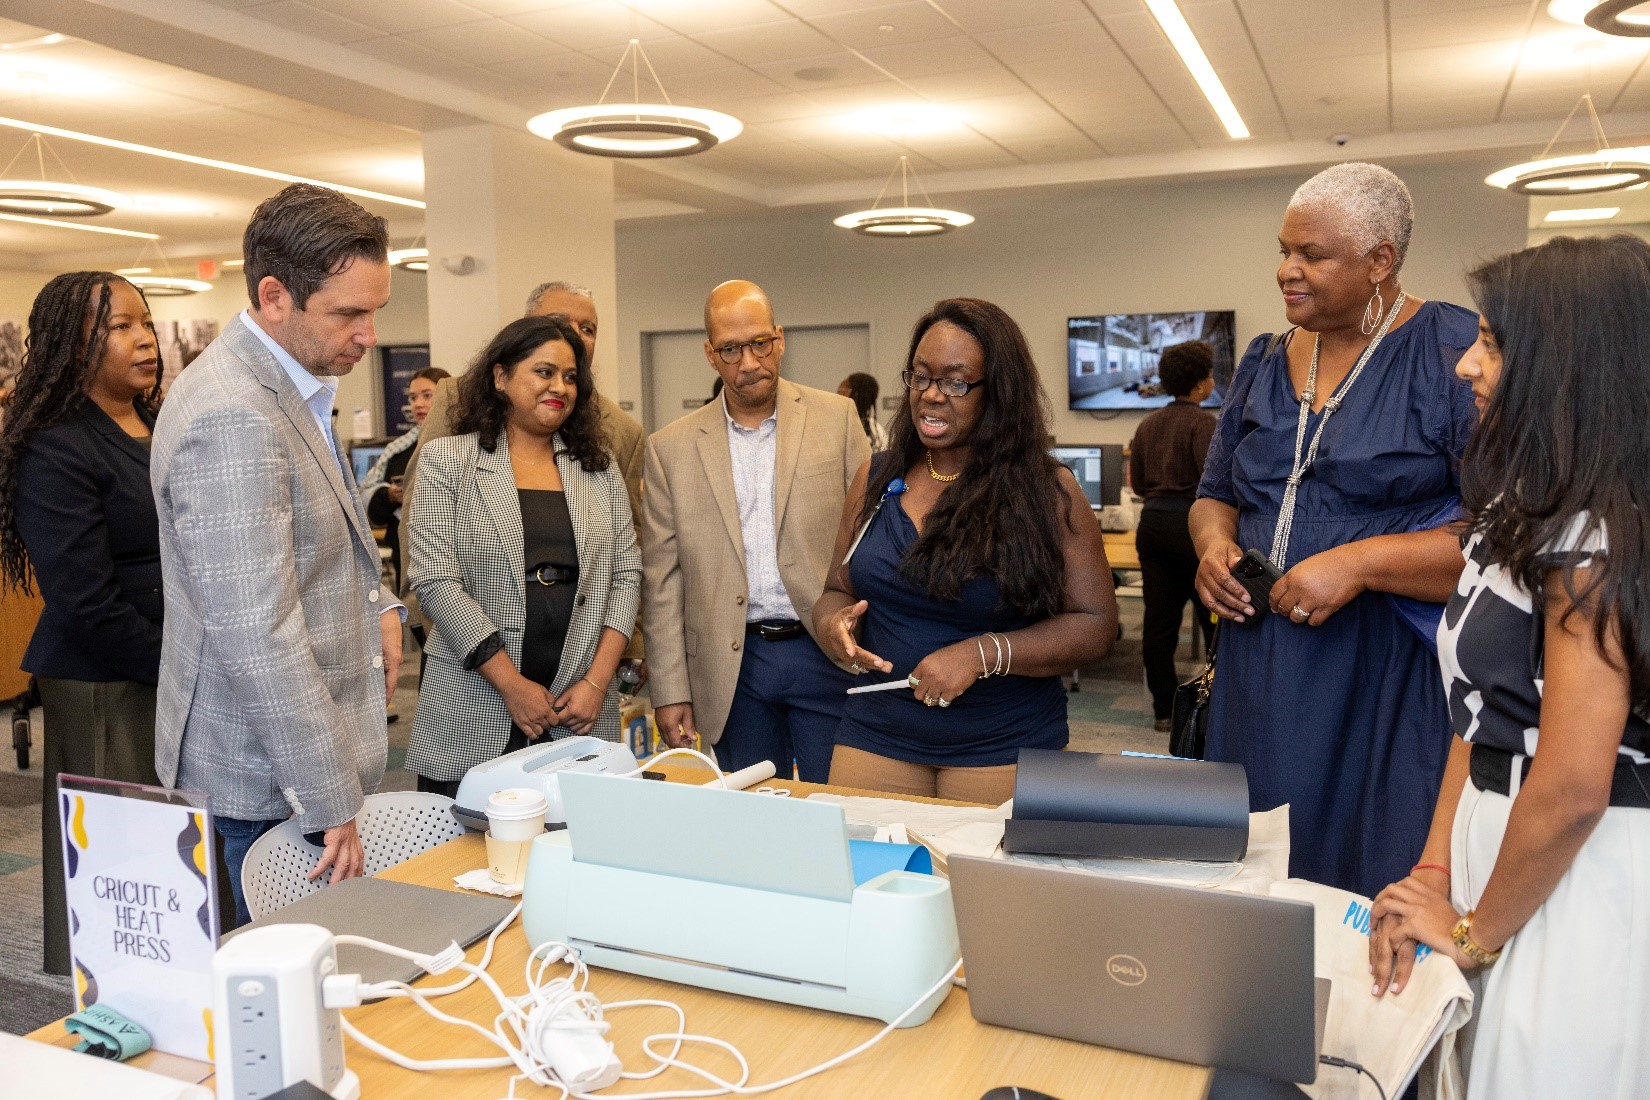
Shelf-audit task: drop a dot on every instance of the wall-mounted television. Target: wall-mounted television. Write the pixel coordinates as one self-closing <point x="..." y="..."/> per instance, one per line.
<point x="1111" y="359"/>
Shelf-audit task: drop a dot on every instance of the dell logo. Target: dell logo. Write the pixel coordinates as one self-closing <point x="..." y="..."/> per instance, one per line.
<point x="1126" y="970"/>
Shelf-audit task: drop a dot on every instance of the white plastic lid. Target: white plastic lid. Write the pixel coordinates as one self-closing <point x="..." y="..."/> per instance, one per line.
<point x="517" y="804"/>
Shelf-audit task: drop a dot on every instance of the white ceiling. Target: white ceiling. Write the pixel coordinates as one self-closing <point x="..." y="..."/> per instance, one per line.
<point x="1049" y="91"/>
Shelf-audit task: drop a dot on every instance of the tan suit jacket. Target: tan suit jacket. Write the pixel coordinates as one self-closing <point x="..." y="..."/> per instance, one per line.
<point x="624" y="439"/>
<point x="693" y="555"/>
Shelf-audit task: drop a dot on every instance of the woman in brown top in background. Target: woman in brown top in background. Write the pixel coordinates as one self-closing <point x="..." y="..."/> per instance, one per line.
<point x="1165" y="466"/>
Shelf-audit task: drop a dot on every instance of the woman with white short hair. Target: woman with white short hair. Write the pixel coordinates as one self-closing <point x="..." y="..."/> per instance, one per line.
<point x="1335" y="469"/>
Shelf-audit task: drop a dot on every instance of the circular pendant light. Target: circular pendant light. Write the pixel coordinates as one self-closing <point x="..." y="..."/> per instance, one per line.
<point x="1604" y="169"/>
<point x="168" y="286"/>
<point x="1619" y="18"/>
<point x="410" y="259"/>
<point x="636" y="130"/>
<point x="905" y="220"/>
<point x="50" y="199"/>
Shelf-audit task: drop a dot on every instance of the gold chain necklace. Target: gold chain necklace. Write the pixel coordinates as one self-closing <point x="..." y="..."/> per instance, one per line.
<point x="939" y="476"/>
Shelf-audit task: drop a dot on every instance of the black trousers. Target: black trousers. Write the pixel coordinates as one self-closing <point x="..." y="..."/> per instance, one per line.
<point x="1168" y="567"/>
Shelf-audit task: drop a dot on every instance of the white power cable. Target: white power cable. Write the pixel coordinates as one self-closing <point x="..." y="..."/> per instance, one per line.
<point x="554" y="1033"/>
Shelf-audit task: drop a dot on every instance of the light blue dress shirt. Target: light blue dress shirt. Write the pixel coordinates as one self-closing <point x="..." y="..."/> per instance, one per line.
<point x="318" y="393"/>
<point x="755" y="454"/>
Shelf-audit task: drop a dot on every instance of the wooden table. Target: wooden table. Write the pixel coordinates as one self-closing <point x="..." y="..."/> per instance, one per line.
<point x="951" y="1057"/>
<point x="1120" y="551"/>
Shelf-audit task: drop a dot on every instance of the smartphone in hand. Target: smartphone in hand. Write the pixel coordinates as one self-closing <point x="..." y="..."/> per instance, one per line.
<point x="1257" y="575"/>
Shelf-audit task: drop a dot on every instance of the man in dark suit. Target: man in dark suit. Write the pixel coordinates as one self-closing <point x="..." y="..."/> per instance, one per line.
<point x="281" y="645"/>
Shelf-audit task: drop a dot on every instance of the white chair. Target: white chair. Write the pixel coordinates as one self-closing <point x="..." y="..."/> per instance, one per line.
<point x="394" y="826"/>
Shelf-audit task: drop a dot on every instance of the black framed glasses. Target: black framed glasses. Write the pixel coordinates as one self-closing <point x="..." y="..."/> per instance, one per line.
<point x="761" y="347"/>
<point x="951" y="387"/>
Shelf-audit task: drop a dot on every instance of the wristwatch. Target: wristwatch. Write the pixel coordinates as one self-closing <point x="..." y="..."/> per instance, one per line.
<point x="1461" y="936"/>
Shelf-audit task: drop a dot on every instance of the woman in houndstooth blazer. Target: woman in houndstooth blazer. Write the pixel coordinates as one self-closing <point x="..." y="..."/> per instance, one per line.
<point x="524" y="558"/>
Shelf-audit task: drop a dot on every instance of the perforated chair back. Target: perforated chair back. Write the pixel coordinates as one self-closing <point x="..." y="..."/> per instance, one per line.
<point x="394" y="826"/>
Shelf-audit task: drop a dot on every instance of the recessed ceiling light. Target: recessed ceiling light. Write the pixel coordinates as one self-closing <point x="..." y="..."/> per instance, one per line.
<point x="204" y="162"/>
<point x="897" y="120"/>
<point x="36" y="43"/>
<point x="1185" y="43"/>
<point x="55" y="223"/>
<point x="1590" y="214"/>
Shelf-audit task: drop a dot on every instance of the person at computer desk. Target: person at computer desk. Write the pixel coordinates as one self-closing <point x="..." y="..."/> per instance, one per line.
<point x="1534" y="874"/>
<point x="982" y="581"/>
<point x="523" y="556"/>
<point x="1165" y="465"/>
<point x="1336" y="458"/>
<point x="380" y="490"/>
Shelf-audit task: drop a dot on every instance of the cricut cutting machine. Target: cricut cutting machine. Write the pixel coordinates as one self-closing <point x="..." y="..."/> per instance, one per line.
<point x="539" y="767"/>
<point x="761" y="891"/>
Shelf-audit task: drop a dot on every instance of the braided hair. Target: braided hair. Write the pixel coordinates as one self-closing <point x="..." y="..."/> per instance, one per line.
<point x="60" y="356"/>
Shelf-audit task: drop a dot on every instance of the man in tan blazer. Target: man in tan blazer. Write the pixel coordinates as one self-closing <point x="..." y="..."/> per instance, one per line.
<point x="740" y="515"/>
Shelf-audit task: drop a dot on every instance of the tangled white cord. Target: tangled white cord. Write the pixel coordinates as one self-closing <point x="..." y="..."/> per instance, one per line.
<point x="559" y="1023"/>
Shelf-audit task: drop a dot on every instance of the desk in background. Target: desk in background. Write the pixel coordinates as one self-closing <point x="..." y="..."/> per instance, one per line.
<point x="951" y="1057"/>
<point x="1120" y="551"/>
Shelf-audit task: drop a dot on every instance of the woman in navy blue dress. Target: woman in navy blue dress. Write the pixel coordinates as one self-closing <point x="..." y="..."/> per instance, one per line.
<point x="981" y="575"/>
<point x="1329" y="694"/>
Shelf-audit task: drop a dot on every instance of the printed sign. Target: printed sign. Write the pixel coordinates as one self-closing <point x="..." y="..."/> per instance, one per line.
<point x="143" y="915"/>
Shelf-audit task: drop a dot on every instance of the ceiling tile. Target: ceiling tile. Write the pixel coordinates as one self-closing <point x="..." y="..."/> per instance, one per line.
<point x="485" y="42"/>
<point x="1460" y="28"/>
<point x="980" y="16"/>
<point x="669" y="57"/>
<point x="989" y="80"/>
<point x="1033" y="45"/>
<point x="817" y="74"/>
<point x="908" y="22"/>
<point x="764" y="43"/>
<point x="409" y="55"/>
<point x="702" y="18"/>
<point x="400" y="16"/>
<point x="590" y="25"/>
<point x="935" y="58"/>
<point x="305" y="19"/>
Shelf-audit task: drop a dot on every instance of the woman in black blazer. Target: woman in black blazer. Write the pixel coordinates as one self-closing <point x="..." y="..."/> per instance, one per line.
<point x="77" y="517"/>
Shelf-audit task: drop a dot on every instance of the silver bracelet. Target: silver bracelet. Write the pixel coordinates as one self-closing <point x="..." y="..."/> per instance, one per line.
<point x="996" y="669"/>
<point x="984" y="672"/>
<point x="1009" y="642"/>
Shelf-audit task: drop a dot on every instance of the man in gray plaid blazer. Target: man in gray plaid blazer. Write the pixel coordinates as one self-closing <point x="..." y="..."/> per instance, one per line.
<point x="280" y="644"/>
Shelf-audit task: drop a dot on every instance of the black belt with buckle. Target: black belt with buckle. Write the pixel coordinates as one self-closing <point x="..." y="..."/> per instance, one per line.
<point x="1492" y="771"/>
<point x="548" y="575"/>
<point x="775" y="630"/>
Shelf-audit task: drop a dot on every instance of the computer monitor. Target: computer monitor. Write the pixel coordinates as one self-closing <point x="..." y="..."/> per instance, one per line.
<point x="362" y="457"/>
<point x="1098" y="469"/>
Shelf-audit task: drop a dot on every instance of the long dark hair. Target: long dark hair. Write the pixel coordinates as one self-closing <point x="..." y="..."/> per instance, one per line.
<point x="60" y="356"/>
<point x="1002" y="517"/>
<point x="862" y="391"/>
<point x="1565" y="440"/>
<point x="482" y="409"/>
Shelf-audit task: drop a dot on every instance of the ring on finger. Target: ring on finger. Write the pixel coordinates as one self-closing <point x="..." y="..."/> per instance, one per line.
<point x="855" y="669"/>
<point x="945" y="702"/>
<point x="1299" y="613"/>
<point x="929" y="700"/>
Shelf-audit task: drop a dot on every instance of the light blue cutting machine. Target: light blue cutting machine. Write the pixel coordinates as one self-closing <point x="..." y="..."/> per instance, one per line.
<point x="736" y="891"/>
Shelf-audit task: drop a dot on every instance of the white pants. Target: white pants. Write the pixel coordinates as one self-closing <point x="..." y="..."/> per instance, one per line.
<point x="1565" y="1013"/>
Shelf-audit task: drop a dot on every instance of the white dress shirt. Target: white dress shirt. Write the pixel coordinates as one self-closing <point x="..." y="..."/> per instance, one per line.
<point x="755" y="455"/>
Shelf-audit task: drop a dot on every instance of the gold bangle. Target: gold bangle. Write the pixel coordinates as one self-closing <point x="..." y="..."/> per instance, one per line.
<point x="1461" y="936"/>
<point x="599" y="689"/>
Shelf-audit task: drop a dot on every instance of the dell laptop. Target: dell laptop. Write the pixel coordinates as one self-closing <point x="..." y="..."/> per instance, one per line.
<point x="1202" y="976"/>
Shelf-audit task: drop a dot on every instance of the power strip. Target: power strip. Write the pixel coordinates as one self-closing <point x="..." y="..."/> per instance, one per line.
<point x="271" y="1024"/>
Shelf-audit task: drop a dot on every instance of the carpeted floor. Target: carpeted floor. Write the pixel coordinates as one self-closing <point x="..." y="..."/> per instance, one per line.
<point x="1110" y="713"/>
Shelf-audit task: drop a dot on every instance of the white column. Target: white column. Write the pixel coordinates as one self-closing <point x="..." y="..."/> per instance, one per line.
<point x="525" y="211"/>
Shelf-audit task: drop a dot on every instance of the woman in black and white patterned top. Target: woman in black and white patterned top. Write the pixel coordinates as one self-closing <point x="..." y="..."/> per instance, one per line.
<point x="1535" y="878"/>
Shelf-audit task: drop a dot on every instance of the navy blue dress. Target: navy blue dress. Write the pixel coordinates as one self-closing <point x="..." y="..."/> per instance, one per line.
<point x="1346" y="722"/>
<point x="986" y="725"/>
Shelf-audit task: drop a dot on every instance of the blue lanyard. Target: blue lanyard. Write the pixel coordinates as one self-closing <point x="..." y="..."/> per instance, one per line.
<point x="894" y="489"/>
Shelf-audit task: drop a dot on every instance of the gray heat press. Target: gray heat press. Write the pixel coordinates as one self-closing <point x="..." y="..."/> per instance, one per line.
<point x="1099" y="804"/>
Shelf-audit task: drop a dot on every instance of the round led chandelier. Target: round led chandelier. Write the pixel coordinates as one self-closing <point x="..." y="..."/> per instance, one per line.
<point x="410" y="259"/>
<point x="1618" y="17"/>
<point x="636" y="130"/>
<point x="44" y="198"/>
<point x="904" y="220"/>
<point x="168" y="286"/>
<point x="1605" y="169"/>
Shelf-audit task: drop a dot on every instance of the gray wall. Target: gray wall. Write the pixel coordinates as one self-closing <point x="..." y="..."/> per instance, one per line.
<point x="1043" y="256"/>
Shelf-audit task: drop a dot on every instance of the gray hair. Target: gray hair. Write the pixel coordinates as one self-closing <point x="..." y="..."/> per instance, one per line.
<point x="1371" y="203"/>
<point x="556" y="286"/>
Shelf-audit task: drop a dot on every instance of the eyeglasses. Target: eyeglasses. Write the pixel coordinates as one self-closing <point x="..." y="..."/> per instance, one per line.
<point x="761" y="347"/>
<point x="951" y="387"/>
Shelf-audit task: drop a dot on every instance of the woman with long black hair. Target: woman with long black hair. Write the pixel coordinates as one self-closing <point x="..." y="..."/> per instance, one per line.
<point x="1534" y="878"/>
<point x="77" y="517"/>
<point x="983" y="579"/>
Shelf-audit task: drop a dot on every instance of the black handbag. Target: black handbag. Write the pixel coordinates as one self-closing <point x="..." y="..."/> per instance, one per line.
<point x="1189" y="725"/>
